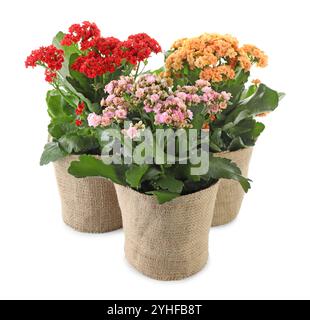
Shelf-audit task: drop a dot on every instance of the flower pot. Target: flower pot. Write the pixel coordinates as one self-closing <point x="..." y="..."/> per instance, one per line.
<point x="88" y="205"/>
<point x="230" y="194"/>
<point x="169" y="241"/>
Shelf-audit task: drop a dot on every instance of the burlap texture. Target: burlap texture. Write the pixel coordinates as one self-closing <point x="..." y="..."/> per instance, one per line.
<point x="230" y="194"/>
<point x="170" y="241"/>
<point x="88" y="205"/>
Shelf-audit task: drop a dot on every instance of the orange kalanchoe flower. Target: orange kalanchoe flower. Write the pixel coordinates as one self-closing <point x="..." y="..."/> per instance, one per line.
<point x="256" y="55"/>
<point x="261" y="115"/>
<point x="256" y="82"/>
<point x="217" y="74"/>
<point x="216" y="55"/>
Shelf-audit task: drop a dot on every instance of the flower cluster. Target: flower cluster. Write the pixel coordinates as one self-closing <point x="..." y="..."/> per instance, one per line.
<point x="202" y="93"/>
<point x="138" y="48"/>
<point x="86" y="35"/>
<point x="216" y="56"/>
<point x="152" y="94"/>
<point x="102" y="55"/>
<point x="94" y="64"/>
<point x="115" y="107"/>
<point x="170" y="107"/>
<point x="156" y="96"/>
<point x="49" y="57"/>
<point x="134" y="130"/>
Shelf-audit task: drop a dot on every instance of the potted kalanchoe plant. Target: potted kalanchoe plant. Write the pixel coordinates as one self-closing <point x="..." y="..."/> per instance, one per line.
<point x="220" y="60"/>
<point x="166" y="200"/>
<point x="79" y="65"/>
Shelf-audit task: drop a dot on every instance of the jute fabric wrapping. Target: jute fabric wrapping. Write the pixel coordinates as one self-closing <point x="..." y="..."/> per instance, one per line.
<point x="88" y="205"/>
<point x="230" y="194"/>
<point x="169" y="241"/>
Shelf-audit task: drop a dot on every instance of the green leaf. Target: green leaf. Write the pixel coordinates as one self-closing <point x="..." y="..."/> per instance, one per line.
<point x="236" y="144"/>
<point x="52" y="152"/>
<point x="152" y="174"/>
<point x="96" y="108"/>
<point x="65" y="71"/>
<point x="60" y="127"/>
<point x="58" y="106"/>
<point x="249" y="92"/>
<point x="74" y="143"/>
<point x="164" y="196"/>
<point x="235" y="86"/>
<point x="216" y="141"/>
<point x="264" y="100"/>
<point x="199" y="117"/>
<point x="281" y="95"/>
<point x="220" y="168"/>
<point x="258" y="129"/>
<point x="158" y="71"/>
<point x="89" y="166"/>
<point x="135" y="174"/>
<point x="243" y="127"/>
<point x="68" y="52"/>
<point x="186" y="70"/>
<point x="171" y="184"/>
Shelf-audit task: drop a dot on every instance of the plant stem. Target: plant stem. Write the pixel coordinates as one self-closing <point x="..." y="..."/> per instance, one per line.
<point x="137" y="72"/>
<point x="61" y="93"/>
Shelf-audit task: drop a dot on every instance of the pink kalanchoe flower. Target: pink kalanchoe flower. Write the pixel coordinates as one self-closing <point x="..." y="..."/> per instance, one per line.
<point x="121" y="114"/>
<point x="196" y="98"/>
<point x="122" y="82"/>
<point x="223" y="105"/>
<point x="109" y="99"/>
<point x="94" y="120"/>
<point x="190" y="114"/>
<point x="165" y="118"/>
<point x="106" y="121"/>
<point x="207" y="90"/>
<point x="148" y="108"/>
<point x="182" y="95"/>
<point x="158" y="107"/>
<point x="226" y="95"/>
<point x="132" y="132"/>
<point x="155" y="98"/>
<point x="215" y="108"/>
<point x="207" y="97"/>
<point x="109" y="88"/>
<point x="109" y="114"/>
<point x="150" y="79"/>
<point x="202" y="83"/>
<point x="158" y="118"/>
<point x="178" y="116"/>
<point x="139" y="93"/>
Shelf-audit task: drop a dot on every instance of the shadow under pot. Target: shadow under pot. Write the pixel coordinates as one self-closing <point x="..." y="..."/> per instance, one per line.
<point x="230" y="194"/>
<point x="88" y="205"/>
<point x="170" y="241"/>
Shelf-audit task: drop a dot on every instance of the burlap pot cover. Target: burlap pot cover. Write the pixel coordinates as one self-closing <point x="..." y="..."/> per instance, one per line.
<point x="230" y="194"/>
<point x="169" y="241"/>
<point x="88" y="205"/>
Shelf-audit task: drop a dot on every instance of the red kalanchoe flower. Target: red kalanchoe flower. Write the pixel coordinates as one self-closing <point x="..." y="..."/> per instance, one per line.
<point x="94" y="65"/>
<point x="86" y="34"/>
<point x="50" y="57"/>
<point x="50" y="75"/>
<point x="80" y="109"/>
<point x="106" y="46"/>
<point x="138" y="48"/>
<point x="78" y="122"/>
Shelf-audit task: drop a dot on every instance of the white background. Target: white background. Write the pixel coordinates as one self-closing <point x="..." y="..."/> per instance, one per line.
<point x="264" y="254"/>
